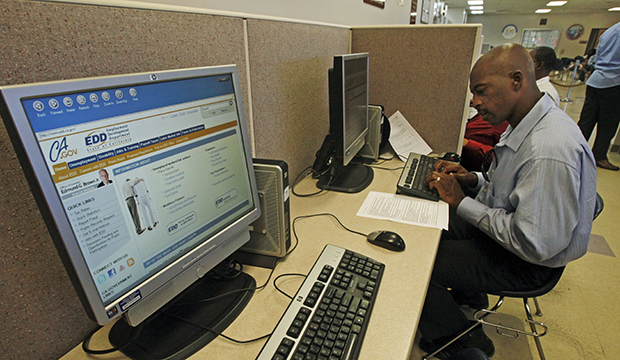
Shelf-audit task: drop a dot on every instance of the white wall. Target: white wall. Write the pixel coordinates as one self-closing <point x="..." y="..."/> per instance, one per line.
<point x="492" y="26"/>
<point x="457" y="15"/>
<point x="340" y="12"/>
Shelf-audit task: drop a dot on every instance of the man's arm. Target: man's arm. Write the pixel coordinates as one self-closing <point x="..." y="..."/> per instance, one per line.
<point x="544" y="215"/>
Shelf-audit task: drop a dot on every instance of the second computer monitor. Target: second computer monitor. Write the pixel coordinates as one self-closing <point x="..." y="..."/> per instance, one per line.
<point x="348" y="104"/>
<point x="348" y="119"/>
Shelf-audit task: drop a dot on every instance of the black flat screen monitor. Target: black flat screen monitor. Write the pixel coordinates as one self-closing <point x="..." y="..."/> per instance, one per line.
<point x="145" y="180"/>
<point x="348" y="123"/>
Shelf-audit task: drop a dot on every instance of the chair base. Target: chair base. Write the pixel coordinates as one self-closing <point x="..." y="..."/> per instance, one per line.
<point x="480" y="316"/>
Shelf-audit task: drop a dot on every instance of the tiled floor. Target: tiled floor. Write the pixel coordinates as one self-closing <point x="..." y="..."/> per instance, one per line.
<point x="581" y="311"/>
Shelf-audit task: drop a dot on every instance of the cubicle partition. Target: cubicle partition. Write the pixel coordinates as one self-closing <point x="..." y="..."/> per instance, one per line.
<point x="283" y="71"/>
<point x="423" y="72"/>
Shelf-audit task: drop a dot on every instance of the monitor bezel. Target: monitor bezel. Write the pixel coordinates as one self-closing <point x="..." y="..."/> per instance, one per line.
<point x="52" y="210"/>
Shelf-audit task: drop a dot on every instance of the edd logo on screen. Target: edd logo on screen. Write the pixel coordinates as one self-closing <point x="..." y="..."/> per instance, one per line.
<point x="94" y="139"/>
<point x="60" y="150"/>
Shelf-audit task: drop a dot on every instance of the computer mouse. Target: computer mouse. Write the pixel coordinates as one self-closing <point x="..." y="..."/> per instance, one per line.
<point x="387" y="239"/>
<point x="450" y="156"/>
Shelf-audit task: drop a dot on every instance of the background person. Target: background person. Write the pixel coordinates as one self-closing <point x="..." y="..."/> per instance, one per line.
<point x="602" y="105"/>
<point x="545" y="61"/>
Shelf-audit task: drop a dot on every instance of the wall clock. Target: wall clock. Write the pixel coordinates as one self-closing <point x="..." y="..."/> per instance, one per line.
<point x="509" y="31"/>
<point x="574" y="31"/>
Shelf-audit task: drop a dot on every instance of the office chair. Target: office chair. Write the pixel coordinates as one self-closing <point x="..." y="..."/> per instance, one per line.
<point x="480" y="315"/>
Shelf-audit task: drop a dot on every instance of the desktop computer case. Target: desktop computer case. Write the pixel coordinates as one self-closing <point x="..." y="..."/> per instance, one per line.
<point x="270" y="236"/>
<point x="371" y="149"/>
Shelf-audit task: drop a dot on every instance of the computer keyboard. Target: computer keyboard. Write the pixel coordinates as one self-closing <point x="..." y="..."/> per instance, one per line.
<point x="411" y="180"/>
<point x="328" y="317"/>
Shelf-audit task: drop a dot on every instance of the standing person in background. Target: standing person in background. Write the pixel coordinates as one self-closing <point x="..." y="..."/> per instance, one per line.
<point x="602" y="104"/>
<point x="544" y="61"/>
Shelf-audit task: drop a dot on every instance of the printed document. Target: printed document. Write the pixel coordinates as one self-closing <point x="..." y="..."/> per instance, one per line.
<point x="405" y="209"/>
<point x="404" y="139"/>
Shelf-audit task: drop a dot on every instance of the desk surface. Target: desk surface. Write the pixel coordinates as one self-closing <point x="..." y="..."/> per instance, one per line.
<point x="394" y="319"/>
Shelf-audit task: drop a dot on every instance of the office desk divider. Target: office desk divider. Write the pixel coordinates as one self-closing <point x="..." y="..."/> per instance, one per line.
<point x="420" y="70"/>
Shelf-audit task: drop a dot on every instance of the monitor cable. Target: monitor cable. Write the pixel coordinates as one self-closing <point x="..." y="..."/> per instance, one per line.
<point x="88" y="350"/>
<point x="305" y="173"/>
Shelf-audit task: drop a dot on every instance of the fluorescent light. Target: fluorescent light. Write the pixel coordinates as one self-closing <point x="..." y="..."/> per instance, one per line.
<point x="476" y="8"/>
<point x="475" y="2"/>
<point x="614" y="9"/>
<point x="414" y="14"/>
<point x="542" y="11"/>
<point x="556" y="3"/>
<point x="477" y="12"/>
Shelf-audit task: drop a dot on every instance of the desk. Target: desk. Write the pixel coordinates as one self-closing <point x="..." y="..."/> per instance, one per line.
<point x="394" y="319"/>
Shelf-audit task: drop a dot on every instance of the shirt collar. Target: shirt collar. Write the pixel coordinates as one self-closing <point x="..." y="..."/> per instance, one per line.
<point x="514" y="137"/>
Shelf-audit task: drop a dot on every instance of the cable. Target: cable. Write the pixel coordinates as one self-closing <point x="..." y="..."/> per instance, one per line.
<point x="86" y="342"/>
<point x="217" y="333"/>
<point x="307" y="173"/>
<point x="325" y="214"/>
<point x="283" y="275"/>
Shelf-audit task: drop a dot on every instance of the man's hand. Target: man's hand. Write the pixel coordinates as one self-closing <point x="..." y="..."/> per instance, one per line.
<point x="447" y="179"/>
<point x="460" y="173"/>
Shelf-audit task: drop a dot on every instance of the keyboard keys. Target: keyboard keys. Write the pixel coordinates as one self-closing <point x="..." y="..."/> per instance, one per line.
<point x="412" y="178"/>
<point x="332" y="321"/>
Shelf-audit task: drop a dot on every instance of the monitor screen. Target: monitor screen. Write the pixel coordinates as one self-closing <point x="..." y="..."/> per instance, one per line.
<point x="145" y="180"/>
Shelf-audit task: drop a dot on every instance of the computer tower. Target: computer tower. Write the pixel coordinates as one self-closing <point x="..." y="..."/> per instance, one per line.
<point x="270" y="236"/>
<point x="371" y="149"/>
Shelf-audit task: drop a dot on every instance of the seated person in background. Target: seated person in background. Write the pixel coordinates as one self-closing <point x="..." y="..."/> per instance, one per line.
<point x="533" y="214"/>
<point x="544" y="62"/>
<point x="480" y="137"/>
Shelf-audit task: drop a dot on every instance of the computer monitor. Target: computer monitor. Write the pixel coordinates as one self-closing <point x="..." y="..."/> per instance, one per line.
<point x="145" y="181"/>
<point x="348" y="124"/>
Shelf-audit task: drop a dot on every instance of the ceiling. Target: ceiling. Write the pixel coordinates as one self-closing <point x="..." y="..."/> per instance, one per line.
<point x="499" y="7"/>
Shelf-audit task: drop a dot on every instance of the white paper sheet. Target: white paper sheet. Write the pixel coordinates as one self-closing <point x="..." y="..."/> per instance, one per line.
<point x="405" y="209"/>
<point x="404" y="139"/>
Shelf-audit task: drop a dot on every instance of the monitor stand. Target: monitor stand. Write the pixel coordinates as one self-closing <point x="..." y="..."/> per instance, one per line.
<point x="165" y="336"/>
<point x="352" y="179"/>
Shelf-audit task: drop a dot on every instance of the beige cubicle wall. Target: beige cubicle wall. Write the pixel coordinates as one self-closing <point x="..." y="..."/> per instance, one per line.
<point x="289" y="63"/>
<point x="283" y="72"/>
<point x="423" y="72"/>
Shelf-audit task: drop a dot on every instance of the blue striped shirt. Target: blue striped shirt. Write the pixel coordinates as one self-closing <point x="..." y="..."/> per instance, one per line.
<point x="539" y="203"/>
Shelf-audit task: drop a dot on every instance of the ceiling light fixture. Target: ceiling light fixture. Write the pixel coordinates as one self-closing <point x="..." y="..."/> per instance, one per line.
<point x="542" y="11"/>
<point x="476" y="8"/>
<point x="475" y="2"/>
<point x="614" y="9"/>
<point x="477" y="12"/>
<point x="556" y="3"/>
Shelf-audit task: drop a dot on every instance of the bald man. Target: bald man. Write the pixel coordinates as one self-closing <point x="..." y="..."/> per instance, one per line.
<point x="533" y="214"/>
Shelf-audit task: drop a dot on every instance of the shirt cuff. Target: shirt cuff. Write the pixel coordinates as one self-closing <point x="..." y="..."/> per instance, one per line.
<point x="481" y="181"/>
<point x="471" y="211"/>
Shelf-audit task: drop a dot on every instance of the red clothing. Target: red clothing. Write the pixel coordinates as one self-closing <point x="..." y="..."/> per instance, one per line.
<point x="481" y="137"/>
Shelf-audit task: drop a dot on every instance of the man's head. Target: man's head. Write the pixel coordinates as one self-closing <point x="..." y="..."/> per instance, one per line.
<point x="503" y="84"/>
<point x="544" y="60"/>
<point x="103" y="175"/>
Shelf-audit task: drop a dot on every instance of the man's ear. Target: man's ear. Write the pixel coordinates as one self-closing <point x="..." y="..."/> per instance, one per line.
<point x="516" y="77"/>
